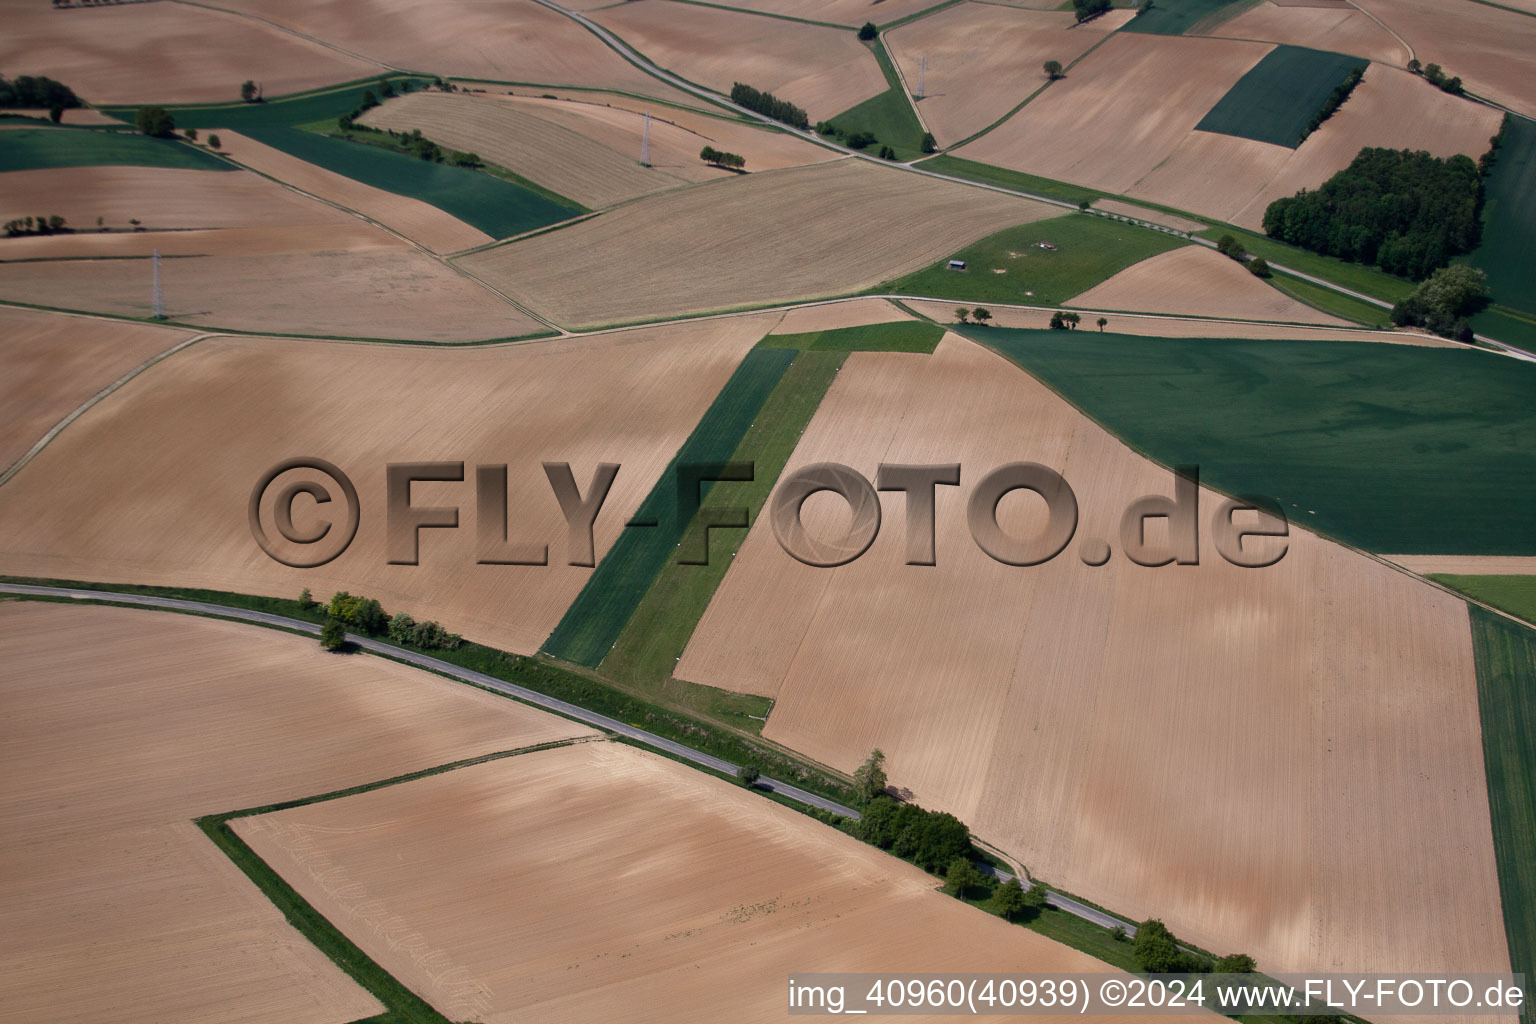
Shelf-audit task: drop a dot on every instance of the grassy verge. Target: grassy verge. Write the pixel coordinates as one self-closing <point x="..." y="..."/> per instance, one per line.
<point x="988" y="174"/>
<point x="1330" y="301"/>
<point x="28" y="149"/>
<point x="654" y="637"/>
<point x="888" y="116"/>
<point x="1354" y="276"/>
<point x="1507" y="325"/>
<point x="1011" y="266"/>
<point x="897" y="336"/>
<point x="1347" y="437"/>
<point x="1506" y="699"/>
<point x="1513" y="594"/>
<point x="498" y="207"/>
<point x="593" y="622"/>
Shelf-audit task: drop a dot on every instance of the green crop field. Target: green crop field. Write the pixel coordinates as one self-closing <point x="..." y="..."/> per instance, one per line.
<point x="1513" y="594"/>
<point x="1176" y="17"/>
<point x="297" y="109"/>
<point x="648" y="648"/>
<point x="1509" y="218"/>
<point x="898" y="336"/>
<point x="1088" y="250"/>
<point x="1506" y="700"/>
<point x="1392" y="448"/>
<point x="1330" y="301"/>
<point x="616" y="587"/>
<point x="1276" y="99"/>
<point x="28" y="149"/>
<point x="888" y="116"/>
<point x="1508" y="325"/>
<point x="1354" y="276"/>
<point x="498" y="207"/>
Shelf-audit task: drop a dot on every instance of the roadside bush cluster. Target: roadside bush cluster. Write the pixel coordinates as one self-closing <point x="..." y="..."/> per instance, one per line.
<point x="36" y="92"/>
<point x="1436" y="76"/>
<point x="1233" y="250"/>
<point x="366" y="615"/>
<point x="1086" y="9"/>
<point x="1443" y="302"/>
<point x="929" y="839"/>
<point x="1407" y="212"/>
<point x="21" y="226"/>
<point x="427" y="635"/>
<point x="720" y="158"/>
<point x="1065" y="321"/>
<point x="767" y="104"/>
<point x="1334" y="101"/>
<point x="1158" y="952"/>
<point x="155" y="122"/>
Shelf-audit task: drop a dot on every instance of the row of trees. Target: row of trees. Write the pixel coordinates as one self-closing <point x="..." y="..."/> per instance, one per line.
<point x="52" y="225"/>
<point x="366" y="615"/>
<point x="155" y="122"/>
<point x="36" y="92"/>
<point x="1407" y="212"/>
<point x="1334" y="101"/>
<point x="1158" y="952"/>
<point x="1435" y="75"/>
<point x="720" y="158"/>
<point x="769" y="105"/>
<point x="1233" y="249"/>
<point x="981" y="313"/>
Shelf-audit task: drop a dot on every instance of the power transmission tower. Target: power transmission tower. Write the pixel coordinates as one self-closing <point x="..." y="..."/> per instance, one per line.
<point x="645" y="141"/>
<point x="158" y="301"/>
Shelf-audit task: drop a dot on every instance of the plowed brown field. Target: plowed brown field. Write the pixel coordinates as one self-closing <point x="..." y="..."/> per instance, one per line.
<point x="777" y="236"/>
<point x="153" y="501"/>
<point x="1065" y="711"/>
<point x="1341" y="29"/>
<point x="832" y="315"/>
<point x="600" y="882"/>
<point x="121" y="726"/>
<point x="846" y="12"/>
<point x="1488" y="48"/>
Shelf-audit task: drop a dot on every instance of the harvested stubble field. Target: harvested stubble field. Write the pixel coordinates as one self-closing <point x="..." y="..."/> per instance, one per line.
<point x="121" y="726"/>
<point x="155" y="504"/>
<point x="845" y="12"/>
<point x="776" y="236"/>
<point x="54" y="362"/>
<point x="822" y="70"/>
<point x="1062" y="710"/>
<point x="1467" y="565"/>
<point x="830" y="316"/>
<point x="508" y="41"/>
<point x="665" y="894"/>
<point x="165" y="53"/>
<point x="973" y="47"/>
<point x="1488" y="48"/>
<point x="1341" y="28"/>
<point x="417" y="220"/>
<point x="1085" y="129"/>
<point x="1198" y="281"/>
<point x="618" y="122"/>
<point x="542" y="151"/>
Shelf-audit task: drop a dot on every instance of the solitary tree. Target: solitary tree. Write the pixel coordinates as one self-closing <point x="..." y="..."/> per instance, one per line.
<point x="748" y="775"/>
<point x="1053" y="69"/>
<point x="213" y="142"/>
<point x="1103" y="323"/>
<point x="156" y="122"/>
<point x="1415" y="66"/>
<point x="1008" y="900"/>
<point x="867" y="31"/>
<point x="333" y="636"/>
<point x="963" y="314"/>
<point x="1235" y="963"/>
<point x="250" y="92"/>
<point x="870" y="776"/>
<point x="192" y="134"/>
<point x="961" y="877"/>
<point x="1258" y="267"/>
<point x="982" y="314"/>
<point x="930" y="144"/>
<point x="56" y="113"/>
<point x="1071" y="320"/>
<point x="1058" y="322"/>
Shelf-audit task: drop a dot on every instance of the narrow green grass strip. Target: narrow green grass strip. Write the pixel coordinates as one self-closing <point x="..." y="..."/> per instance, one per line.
<point x="30" y="149"/>
<point x="1513" y="594"/>
<point x="1354" y="276"/>
<point x="888" y="116"/>
<point x="594" y="620"/>
<point x="896" y="336"/>
<point x="652" y="641"/>
<point x="1506" y="700"/>
<point x="1330" y="301"/>
<point x="323" y="104"/>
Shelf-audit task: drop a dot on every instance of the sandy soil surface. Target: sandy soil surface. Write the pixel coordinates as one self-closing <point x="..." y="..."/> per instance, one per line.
<point x="1211" y="174"/>
<point x="618" y="122"/>
<point x="562" y="160"/>
<point x="1039" y="318"/>
<point x="845" y="12"/>
<point x="1489" y="49"/>
<point x="422" y="222"/>
<point x="1167" y="220"/>
<point x="823" y="70"/>
<point x="1087" y="128"/>
<point x="1063" y="710"/>
<point x="984" y="59"/>
<point x="1388" y="108"/>
<point x="505" y="40"/>
<point x="122" y="725"/>
<point x="155" y="503"/>
<point x="53" y="362"/>
<point x="831" y="315"/>
<point x="600" y="882"/>
<point x="1198" y="281"/>
<point x="1341" y="29"/>
<point x="835" y="227"/>
<point x="164" y="52"/>
<point x="1467" y="565"/>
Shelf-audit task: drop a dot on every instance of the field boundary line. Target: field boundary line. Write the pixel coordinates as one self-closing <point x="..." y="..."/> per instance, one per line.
<point x="290" y="31"/>
<point x="90" y="403"/>
<point x="901" y="83"/>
